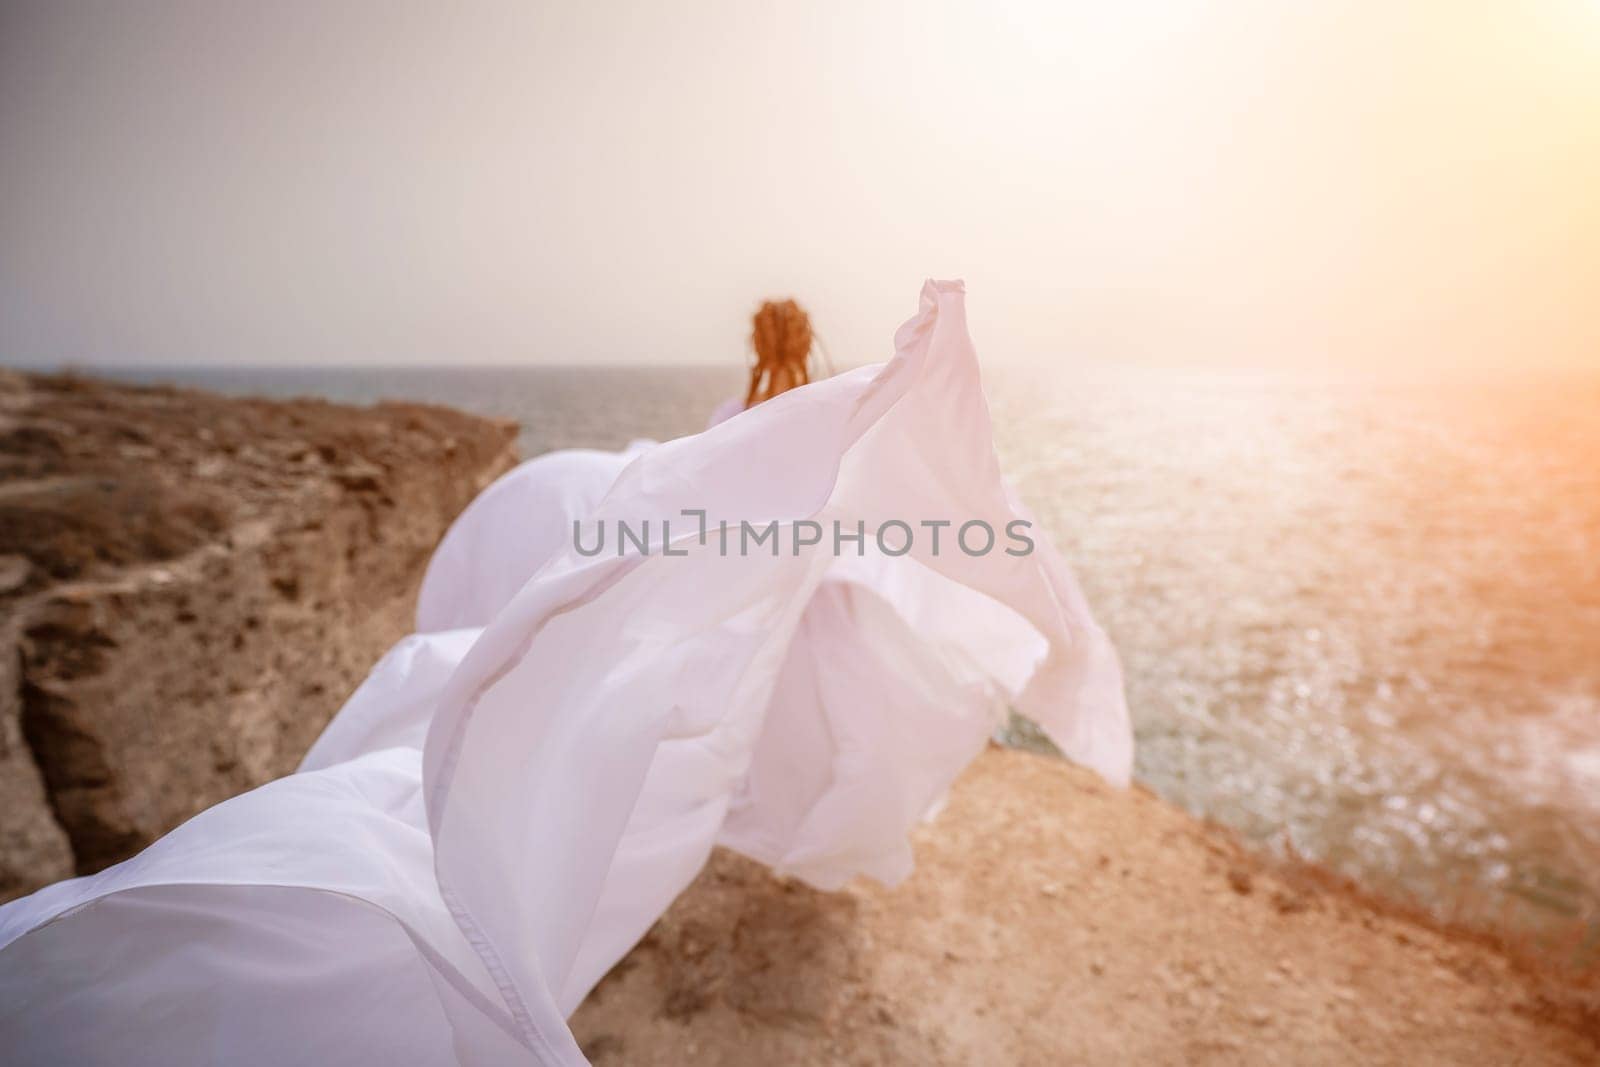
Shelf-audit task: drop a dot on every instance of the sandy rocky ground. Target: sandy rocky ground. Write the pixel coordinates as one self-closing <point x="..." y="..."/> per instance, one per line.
<point x="191" y="585"/>
<point x="1054" y="920"/>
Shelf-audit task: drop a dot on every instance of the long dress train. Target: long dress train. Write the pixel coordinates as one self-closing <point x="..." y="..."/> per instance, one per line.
<point x="519" y="789"/>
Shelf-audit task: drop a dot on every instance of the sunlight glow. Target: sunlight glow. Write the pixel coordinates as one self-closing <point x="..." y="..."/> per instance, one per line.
<point x="1174" y="181"/>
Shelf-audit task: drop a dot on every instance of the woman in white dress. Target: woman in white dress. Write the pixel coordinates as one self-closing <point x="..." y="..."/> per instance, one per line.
<point x="522" y="787"/>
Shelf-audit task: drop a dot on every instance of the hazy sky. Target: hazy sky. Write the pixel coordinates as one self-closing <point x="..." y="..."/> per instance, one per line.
<point x="1393" y="183"/>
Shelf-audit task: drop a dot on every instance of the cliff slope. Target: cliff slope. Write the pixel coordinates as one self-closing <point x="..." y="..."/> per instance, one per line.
<point x="190" y="586"/>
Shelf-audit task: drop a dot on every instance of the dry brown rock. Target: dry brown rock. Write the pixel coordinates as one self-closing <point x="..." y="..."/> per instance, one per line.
<point x="193" y="585"/>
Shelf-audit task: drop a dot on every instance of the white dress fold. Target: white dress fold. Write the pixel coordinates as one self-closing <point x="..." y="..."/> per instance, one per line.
<point x="521" y="788"/>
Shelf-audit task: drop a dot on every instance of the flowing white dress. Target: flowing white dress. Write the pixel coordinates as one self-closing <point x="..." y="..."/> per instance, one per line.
<point x="523" y="786"/>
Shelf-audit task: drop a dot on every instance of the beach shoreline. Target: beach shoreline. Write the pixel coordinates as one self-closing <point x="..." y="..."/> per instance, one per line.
<point x="191" y="585"/>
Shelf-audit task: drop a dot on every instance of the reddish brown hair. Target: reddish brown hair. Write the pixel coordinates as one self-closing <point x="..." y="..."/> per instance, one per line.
<point x="781" y="335"/>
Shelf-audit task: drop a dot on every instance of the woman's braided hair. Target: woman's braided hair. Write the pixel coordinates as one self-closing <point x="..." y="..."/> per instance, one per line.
<point x="781" y="335"/>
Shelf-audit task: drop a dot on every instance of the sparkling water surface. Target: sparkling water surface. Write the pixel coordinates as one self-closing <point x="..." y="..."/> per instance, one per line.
<point x="1358" y="621"/>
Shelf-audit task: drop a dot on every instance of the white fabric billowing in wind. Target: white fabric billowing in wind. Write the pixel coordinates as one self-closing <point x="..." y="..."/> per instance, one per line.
<point x="521" y="788"/>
